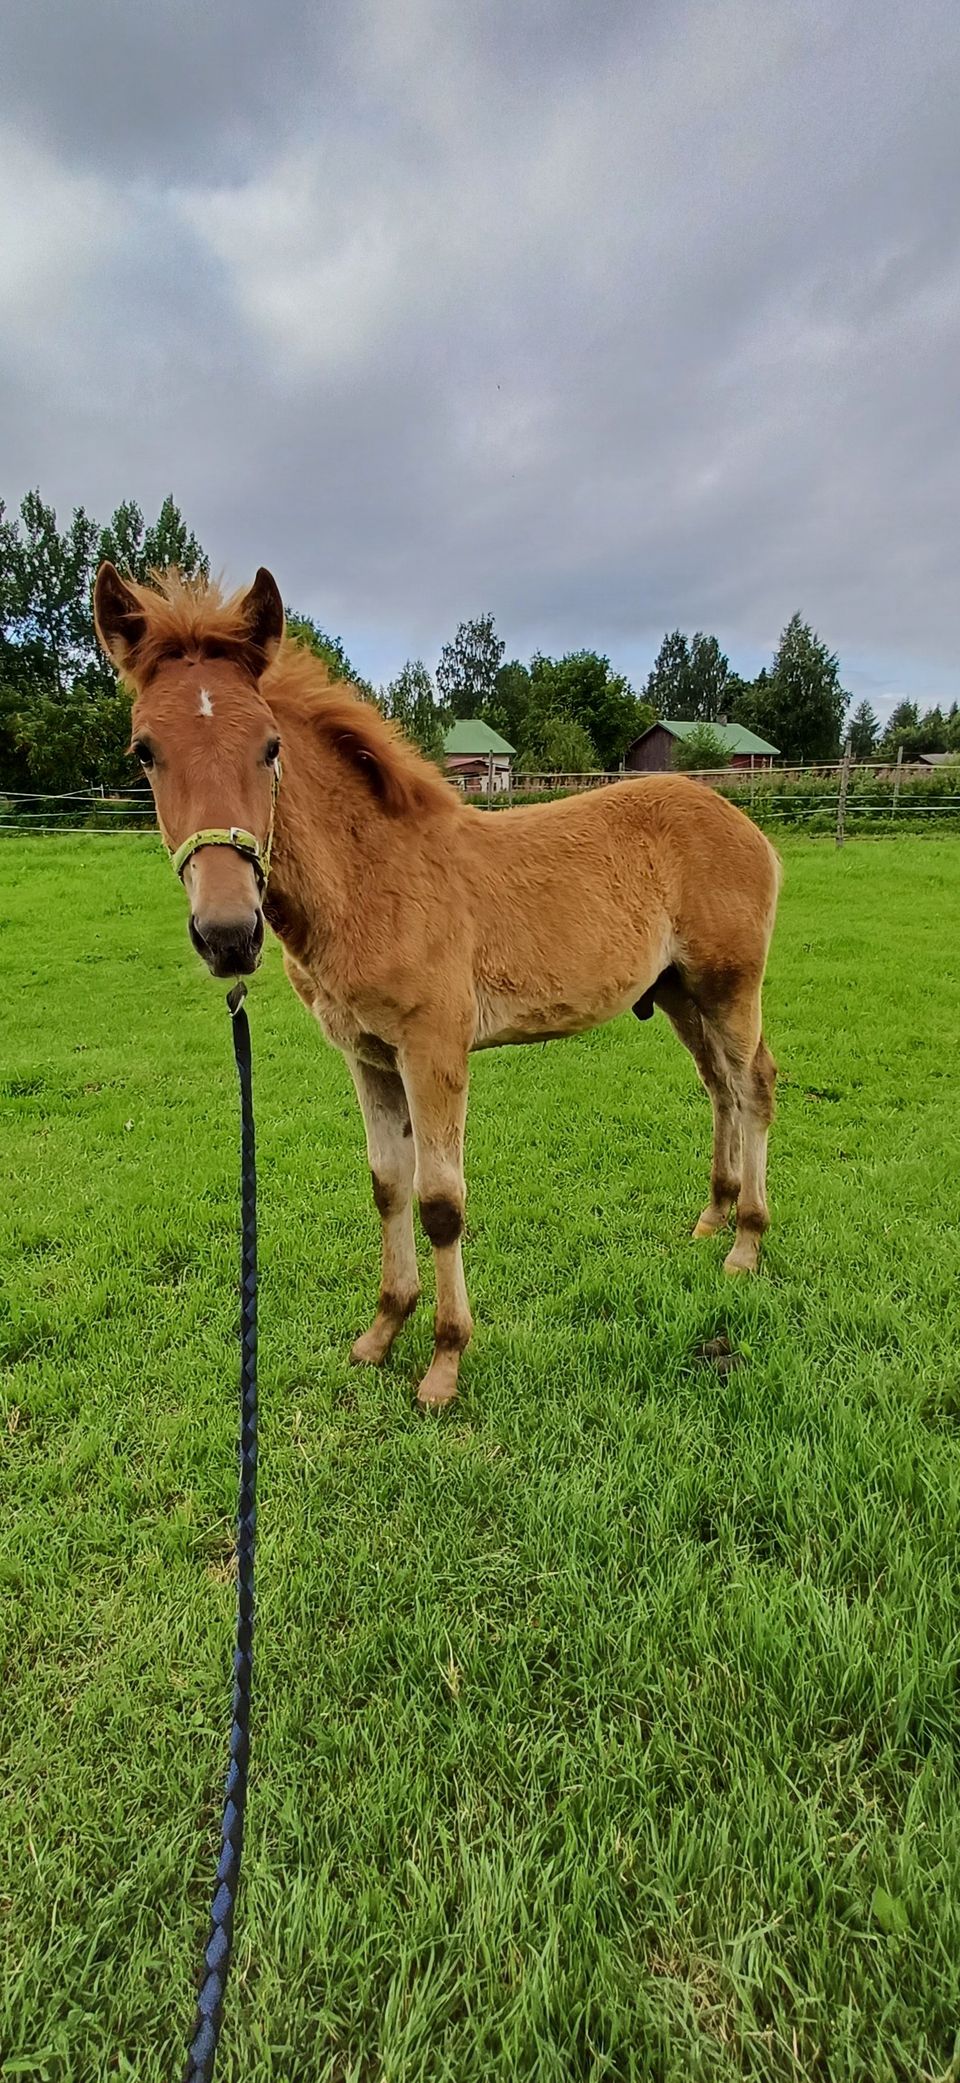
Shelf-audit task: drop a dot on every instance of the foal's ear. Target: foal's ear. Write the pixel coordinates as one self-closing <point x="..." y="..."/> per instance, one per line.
<point x="262" y="612"/>
<point x="120" y="621"/>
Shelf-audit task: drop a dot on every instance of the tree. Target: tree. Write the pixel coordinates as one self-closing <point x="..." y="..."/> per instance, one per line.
<point x="566" y="748"/>
<point x="708" y="677"/>
<point x="700" y="751"/>
<point x="24" y="683"/>
<point x="583" y="686"/>
<point x="864" y="732"/>
<point x="138" y="550"/>
<point x="468" y="668"/>
<point x="931" y="732"/>
<point x="799" y="705"/>
<point x="669" y="678"/>
<point x="301" y="629"/>
<point x="76" y="739"/>
<point x="409" y="701"/>
<point x="63" y="723"/>
<point x="46" y="589"/>
<point x="515" y="708"/>
<point x="690" y="681"/>
<point x="903" y="728"/>
<point x="903" y="719"/>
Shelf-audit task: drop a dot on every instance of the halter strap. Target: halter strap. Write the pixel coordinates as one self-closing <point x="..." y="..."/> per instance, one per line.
<point x="243" y="842"/>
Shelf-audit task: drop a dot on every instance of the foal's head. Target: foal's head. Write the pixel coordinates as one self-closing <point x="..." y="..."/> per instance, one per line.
<point x="206" y="739"/>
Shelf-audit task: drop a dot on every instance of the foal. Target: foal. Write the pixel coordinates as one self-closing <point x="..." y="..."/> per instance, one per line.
<point x="416" y="928"/>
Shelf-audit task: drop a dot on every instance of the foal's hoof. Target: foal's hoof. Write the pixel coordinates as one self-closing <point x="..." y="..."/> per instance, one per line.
<point x="373" y="1347"/>
<point x="707" y="1226"/>
<point x="436" y="1390"/>
<point x="744" y="1258"/>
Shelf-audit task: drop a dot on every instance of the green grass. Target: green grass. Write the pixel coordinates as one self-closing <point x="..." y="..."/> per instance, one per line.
<point x="605" y="1729"/>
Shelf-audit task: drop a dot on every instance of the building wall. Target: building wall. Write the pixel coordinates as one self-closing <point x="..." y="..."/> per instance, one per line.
<point x="651" y="754"/>
<point x="472" y="775"/>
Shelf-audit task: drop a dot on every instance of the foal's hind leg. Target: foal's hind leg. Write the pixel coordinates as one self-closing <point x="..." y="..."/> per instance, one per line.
<point x="732" y="1023"/>
<point x="756" y="1084"/>
<point x="390" y="1151"/>
<point x="709" y="1057"/>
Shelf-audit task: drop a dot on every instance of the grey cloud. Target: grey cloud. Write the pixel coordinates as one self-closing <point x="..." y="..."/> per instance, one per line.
<point x="441" y="307"/>
<point x="170" y="88"/>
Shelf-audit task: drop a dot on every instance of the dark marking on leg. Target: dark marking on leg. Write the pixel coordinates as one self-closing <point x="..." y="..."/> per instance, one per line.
<point x="724" y="1189"/>
<point x="450" y="1338"/>
<point x="752" y="1222"/>
<point x="383" y="1195"/>
<point x="442" y="1221"/>
<point x="396" y="1306"/>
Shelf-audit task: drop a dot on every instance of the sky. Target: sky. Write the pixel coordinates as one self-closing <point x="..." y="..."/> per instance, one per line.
<point x="605" y="318"/>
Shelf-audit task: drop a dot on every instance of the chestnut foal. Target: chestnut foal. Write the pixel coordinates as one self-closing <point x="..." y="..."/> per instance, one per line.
<point x="416" y="928"/>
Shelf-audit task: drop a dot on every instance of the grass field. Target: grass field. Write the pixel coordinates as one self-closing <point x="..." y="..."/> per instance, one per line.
<point x="604" y="1729"/>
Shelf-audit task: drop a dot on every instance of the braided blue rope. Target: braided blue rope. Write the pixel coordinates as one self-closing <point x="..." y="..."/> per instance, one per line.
<point x="206" y="2030"/>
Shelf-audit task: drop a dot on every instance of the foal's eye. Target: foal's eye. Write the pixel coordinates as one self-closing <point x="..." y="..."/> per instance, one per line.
<point x="272" y="752"/>
<point x="142" y="752"/>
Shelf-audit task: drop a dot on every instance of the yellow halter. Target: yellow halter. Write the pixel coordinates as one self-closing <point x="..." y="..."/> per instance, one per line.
<point x="243" y="842"/>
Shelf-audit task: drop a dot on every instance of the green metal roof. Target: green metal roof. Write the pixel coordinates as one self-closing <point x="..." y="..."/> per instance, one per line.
<point x="468" y="738"/>
<point x="736" y="736"/>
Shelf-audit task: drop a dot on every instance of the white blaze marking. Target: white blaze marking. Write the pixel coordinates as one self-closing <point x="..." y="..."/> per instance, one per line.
<point x="206" y="705"/>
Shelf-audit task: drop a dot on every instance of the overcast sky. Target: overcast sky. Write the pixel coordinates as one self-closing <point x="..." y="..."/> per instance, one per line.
<point x="605" y="317"/>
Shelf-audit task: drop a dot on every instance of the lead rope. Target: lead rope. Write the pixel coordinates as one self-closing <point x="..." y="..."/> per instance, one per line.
<point x="206" y="2030"/>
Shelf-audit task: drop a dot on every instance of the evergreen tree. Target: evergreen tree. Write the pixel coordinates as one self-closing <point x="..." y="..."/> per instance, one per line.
<point x="799" y="705"/>
<point x="708" y="678"/>
<point x="668" y="682"/>
<point x="864" y="732"/>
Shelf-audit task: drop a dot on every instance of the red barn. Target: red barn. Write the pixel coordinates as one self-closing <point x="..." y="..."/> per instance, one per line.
<point x="652" y="752"/>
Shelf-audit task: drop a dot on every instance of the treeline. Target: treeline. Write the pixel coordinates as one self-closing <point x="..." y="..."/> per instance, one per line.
<point x="64" y="724"/>
<point x="575" y="714"/>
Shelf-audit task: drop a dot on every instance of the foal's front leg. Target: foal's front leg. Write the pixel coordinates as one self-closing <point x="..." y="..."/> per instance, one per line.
<point x="390" y="1151"/>
<point x="436" y="1085"/>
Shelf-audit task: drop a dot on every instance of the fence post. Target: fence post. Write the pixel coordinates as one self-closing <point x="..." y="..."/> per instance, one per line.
<point x="897" y="779"/>
<point x="842" y="797"/>
<point x="489" y="777"/>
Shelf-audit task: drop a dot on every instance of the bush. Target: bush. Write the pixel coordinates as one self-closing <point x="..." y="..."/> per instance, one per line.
<point x="701" y="751"/>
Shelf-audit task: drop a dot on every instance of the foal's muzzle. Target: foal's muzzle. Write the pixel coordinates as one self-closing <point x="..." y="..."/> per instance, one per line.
<point x="230" y="947"/>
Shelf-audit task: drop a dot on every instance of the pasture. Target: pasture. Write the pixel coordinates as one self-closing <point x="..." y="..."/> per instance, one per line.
<point x="604" y="1728"/>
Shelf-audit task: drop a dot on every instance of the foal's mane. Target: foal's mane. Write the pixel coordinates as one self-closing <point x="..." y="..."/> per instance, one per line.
<point x="394" y="770"/>
<point x="193" y="618"/>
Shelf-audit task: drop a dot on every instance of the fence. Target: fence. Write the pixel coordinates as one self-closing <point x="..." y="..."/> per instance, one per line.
<point x="836" y="797"/>
<point x="127" y="811"/>
<point x="839" y="799"/>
